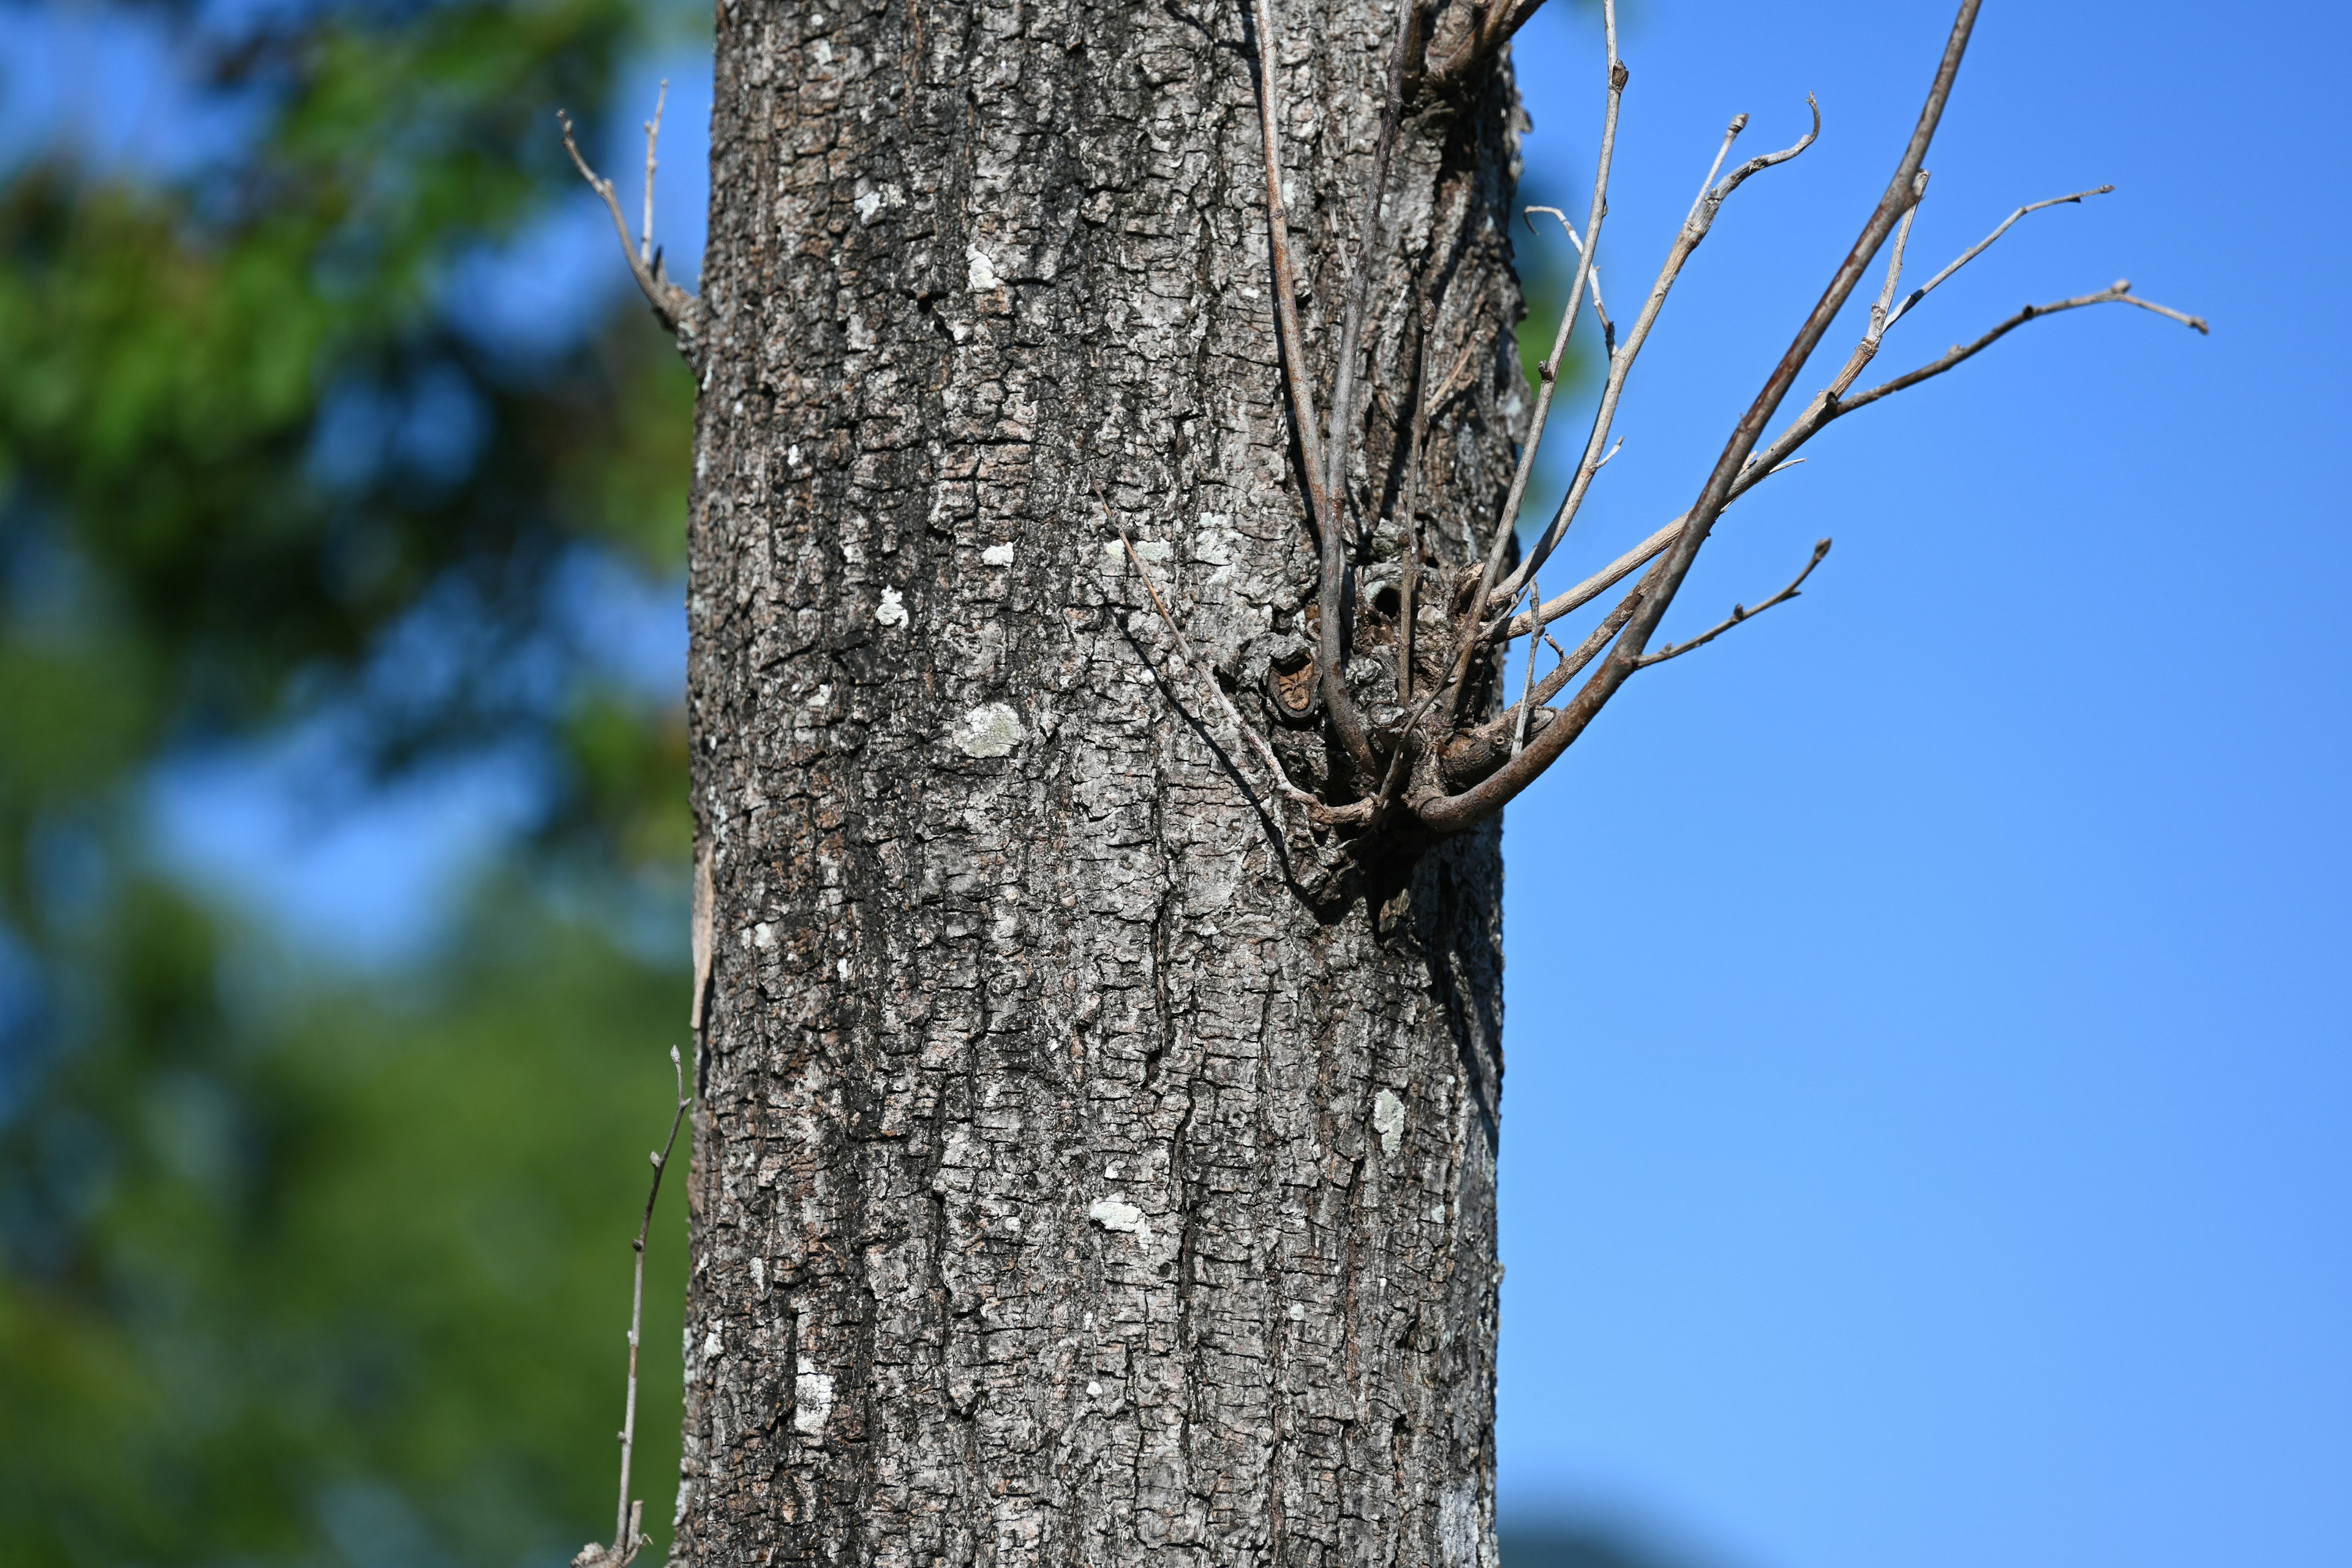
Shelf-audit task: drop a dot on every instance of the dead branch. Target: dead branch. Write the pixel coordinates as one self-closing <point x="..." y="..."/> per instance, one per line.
<point x="1476" y="768"/>
<point x="1981" y="247"/>
<point x="628" y="1537"/>
<point x="2116" y="293"/>
<point x="1467" y="646"/>
<point x="1694" y="230"/>
<point x="1739" y="613"/>
<point x="1338" y="703"/>
<point x="1454" y="813"/>
<point x="676" y="309"/>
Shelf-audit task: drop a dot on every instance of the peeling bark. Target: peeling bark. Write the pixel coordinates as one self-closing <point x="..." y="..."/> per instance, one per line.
<point x="1077" y="1179"/>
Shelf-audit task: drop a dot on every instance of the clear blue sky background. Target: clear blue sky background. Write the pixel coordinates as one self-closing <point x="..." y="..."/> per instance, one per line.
<point x="1929" y="1123"/>
<point x="1928" y="1128"/>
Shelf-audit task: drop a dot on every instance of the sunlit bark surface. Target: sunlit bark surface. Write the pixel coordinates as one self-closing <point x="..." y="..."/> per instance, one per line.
<point x="1080" y="1179"/>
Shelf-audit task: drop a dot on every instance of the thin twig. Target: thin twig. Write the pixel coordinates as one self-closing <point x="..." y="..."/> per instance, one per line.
<point x="1617" y="571"/>
<point x="1739" y="613"/>
<point x="1599" y="311"/>
<point x="653" y="138"/>
<point x="1696" y="225"/>
<point x="2117" y="293"/>
<point x="1337" y="702"/>
<point x="1453" y="813"/>
<point x="1467" y="644"/>
<point x="1981" y="247"/>
<point x="1867" y="350"/>
<point x="627" y="1536"/>
<point x="1527" y="690"/>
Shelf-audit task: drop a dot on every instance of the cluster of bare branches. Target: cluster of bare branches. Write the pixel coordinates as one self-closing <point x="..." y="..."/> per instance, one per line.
<point x="1444" y="763"/>
<point x="1443" y="759"/>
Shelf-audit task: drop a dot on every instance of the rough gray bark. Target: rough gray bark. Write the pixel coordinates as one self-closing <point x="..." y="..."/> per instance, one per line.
<point x="1081" y="1176"/>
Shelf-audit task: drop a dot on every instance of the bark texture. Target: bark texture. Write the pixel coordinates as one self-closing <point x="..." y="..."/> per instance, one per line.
<point x="1078" y="1179"/>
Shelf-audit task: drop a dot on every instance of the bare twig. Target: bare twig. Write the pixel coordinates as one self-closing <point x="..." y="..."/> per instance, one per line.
<point x="1527" y="690"/>
<point x="1330" y="677"/>
<point x="1599" y="311"/>
<point x="2116" y="293"/>
<point x="1467" y="644"/>
<point x="653" y="138"/>
<point x="1739" y="613"/>
<point x="627" y="1536"/>
<point x="1981" y="247"/>
<point x="1453" y="813"/>
<point x="1617" y="571"/>
<point x="676" y="308"/>
<point x="1695" y="227"/>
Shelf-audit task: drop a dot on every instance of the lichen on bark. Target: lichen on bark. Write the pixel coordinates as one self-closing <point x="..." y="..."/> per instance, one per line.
<point x="1080" y="1177"/>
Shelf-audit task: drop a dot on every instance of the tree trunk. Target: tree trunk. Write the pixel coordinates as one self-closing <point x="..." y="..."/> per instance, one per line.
<point x="1079" y="1177"/>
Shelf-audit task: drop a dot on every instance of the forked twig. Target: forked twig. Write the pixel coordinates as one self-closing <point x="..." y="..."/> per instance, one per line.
<point x="1467" y="646"/>
<point x="1981" y="247"/>
<point x="676" y="308"/>
<point x="1739" y="613"/>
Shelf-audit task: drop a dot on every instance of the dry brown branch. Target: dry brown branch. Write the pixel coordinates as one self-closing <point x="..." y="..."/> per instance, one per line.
<point x="1467" y="641"/>
<point x="628" y="1537"/>
<point x="1337" y="704"/>
<point x="1617" y="571"/>
<point x="1739" y="613"/>
<point x="676" y="309"/>
<point x="1476" y="768"/>
<point x="2116" y="293"/>
<point x="1599" y="311"/>
<point x="1695" y="227"/>
<point x="1453" y="813"/>
<point x="653" y="140"/>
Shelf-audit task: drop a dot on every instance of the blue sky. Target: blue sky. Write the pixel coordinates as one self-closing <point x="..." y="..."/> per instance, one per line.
<point x="1929" y="1122"/>
<point x="1929" y="1125"/>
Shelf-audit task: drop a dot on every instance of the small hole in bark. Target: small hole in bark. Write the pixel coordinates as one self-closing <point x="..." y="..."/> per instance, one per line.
<point x="1150" y="1071"/>
<point x="1388" y="602"/>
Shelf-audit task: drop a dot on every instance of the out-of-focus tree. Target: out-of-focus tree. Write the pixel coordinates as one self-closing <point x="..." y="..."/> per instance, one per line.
<point x="293" y="1266"/>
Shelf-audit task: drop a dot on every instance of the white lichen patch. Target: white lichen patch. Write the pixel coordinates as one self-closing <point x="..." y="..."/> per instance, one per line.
<point x="997" y="556"/>
<point x="1213" y="547"/>
<point x="812" y="1400"/>
<point x="980" y="272"/>
<point x="867" y="205"/>
<point x="892" y="612"/>
<point x="990" y="730"/>
<point x="1388" y="1119"/>
<point x="1112" y="1214"/>
<point x="1154" y="549"/>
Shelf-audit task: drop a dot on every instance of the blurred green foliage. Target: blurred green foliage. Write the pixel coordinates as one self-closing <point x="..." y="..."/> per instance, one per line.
<point x="298" y="1265"/>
